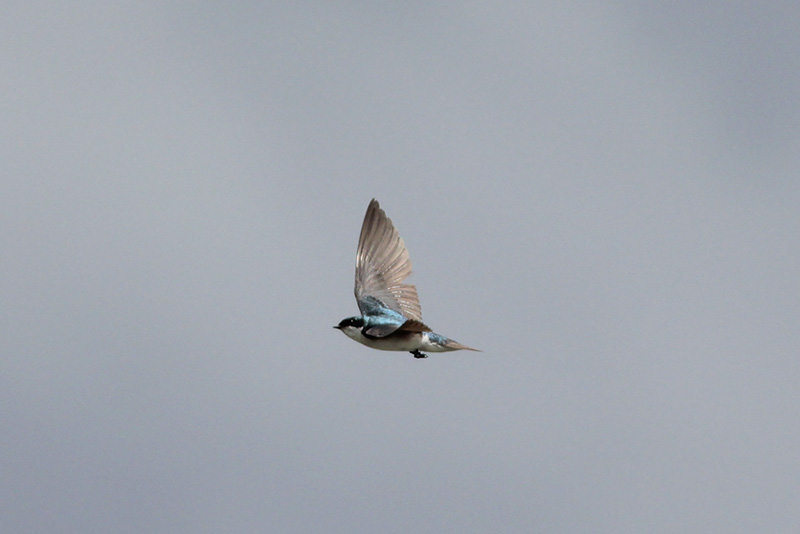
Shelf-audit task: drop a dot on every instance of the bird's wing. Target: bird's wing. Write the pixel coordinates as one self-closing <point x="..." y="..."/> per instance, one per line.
<point x="382" y="263"/>
<point x="384" y="325"/>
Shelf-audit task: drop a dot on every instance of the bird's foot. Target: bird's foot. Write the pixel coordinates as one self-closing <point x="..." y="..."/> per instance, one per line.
<point x="418" y="354"/>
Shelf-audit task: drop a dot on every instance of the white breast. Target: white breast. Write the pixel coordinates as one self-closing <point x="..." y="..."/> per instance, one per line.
<point x="406" y="342"/>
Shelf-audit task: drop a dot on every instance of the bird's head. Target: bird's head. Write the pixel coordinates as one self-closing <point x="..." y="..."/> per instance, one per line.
<point x="350" y="326"/>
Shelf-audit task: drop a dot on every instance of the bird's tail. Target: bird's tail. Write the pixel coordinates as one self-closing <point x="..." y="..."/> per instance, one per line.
<point x="455" y="345"/>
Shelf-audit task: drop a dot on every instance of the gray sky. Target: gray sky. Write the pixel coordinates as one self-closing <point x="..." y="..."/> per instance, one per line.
<point x="603" y="199"/>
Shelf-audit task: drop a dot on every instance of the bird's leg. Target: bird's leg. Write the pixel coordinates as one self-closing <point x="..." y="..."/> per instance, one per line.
<point x="418" y="354"/>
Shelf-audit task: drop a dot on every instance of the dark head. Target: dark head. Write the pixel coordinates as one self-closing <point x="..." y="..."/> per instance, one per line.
<point x="354" y="322"/>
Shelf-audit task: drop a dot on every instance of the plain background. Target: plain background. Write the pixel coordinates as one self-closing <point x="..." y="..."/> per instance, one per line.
<point x="602" y="198"/>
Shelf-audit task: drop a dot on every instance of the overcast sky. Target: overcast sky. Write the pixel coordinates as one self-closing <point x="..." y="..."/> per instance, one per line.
<point x="606" y="200"/>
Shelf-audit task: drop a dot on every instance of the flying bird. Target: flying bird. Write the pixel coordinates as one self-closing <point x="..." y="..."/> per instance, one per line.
<point x="391" y="317"/>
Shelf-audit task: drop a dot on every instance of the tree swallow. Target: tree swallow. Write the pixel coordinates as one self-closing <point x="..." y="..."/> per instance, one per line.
<point x="391" y="317"/>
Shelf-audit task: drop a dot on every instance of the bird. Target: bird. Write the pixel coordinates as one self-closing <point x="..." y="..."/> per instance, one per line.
<point x="391" y="316"/>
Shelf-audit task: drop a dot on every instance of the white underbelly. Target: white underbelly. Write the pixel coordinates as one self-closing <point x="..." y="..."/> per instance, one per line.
<point x="406" y="343"/>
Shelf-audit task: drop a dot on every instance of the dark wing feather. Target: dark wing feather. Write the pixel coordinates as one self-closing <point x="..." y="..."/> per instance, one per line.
<point x="414" y="326"/>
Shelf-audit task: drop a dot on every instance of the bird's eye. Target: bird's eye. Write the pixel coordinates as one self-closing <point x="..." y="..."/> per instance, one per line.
<point x="355" y="322"/>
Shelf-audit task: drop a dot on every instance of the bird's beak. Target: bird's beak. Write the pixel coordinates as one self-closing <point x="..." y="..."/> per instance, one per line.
<point x="338" y="327"/>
